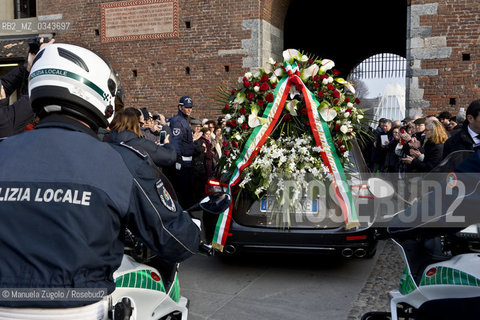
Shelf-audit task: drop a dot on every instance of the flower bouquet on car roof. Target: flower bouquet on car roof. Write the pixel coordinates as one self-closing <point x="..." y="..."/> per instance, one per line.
<point x="285" y="125"/>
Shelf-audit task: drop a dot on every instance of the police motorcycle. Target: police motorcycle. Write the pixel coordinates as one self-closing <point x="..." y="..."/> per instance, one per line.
<point x="146" y="286"/>
<point x="441" y="247"/>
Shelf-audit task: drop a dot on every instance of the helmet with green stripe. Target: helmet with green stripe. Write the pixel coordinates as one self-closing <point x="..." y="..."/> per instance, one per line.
<point x="75" y="81"/>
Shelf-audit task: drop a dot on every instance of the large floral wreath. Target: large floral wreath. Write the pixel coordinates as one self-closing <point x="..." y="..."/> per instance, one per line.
<point x="293" y="149"/>
<point x="287" y="146"/>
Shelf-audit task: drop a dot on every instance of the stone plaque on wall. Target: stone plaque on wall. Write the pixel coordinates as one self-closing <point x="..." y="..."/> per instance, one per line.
<point x="139" y="20"/>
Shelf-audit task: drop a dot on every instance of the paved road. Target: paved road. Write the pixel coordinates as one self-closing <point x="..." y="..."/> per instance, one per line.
<point x="273" y="287"/>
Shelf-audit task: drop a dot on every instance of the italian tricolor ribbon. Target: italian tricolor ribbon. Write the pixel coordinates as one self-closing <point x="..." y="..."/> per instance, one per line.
<point x="322" y="137"/>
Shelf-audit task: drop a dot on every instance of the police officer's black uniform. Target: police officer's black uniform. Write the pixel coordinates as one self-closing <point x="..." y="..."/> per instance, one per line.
<point x="65" y="198"/>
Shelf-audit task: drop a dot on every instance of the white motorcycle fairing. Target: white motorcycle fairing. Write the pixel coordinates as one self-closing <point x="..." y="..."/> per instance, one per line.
<point x="143" y="286"/>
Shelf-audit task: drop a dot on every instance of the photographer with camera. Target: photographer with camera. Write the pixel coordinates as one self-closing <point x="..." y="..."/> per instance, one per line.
<point x="16" y="116"/>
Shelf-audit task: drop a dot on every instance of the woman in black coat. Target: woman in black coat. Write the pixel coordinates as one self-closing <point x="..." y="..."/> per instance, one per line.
<point x="435" y="137"/>
<point x="125" y="128"/>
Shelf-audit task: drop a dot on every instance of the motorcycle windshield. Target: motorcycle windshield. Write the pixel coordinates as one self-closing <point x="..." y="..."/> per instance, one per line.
<point x="450" y="205"/>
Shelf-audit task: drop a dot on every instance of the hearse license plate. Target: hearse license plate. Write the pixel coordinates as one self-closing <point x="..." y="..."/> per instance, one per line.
<point x="308" y="206"/>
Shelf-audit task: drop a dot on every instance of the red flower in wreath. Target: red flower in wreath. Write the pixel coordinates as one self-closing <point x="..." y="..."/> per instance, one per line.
<point x="323" y="76"/>
<point x="243" y="110"/>
<point x="224" y="143"/>
<point x="331" y="87"/>
<point x="339" y="143"/>
<point x="270" y="97"/>
<point x="260" y="102"/>
<point x="227" y="153"/>
<point x="336" y="72"/>
<point x="244" y="126"/>
<point x="264" y="87"/>
<point x="246" y="83"/>
<point x="310" y="61"/>
<point x="274" y="85"/>
<point x="233" y="123"/>
<point x="265" y="78"/>
<point x="256" y="84"/>
<point x="349" y="110"/>
<point x="335" y="102"/>
<point x="347" y="100"/>
<point x="342" y="149"/>
<point x="303" y="111"/>
<point x="336" y="94"/>
<point x="250" y="96"/>
<point x="234" y="91"/>
<point x="337" y="127"/>
<point x="321" y="94"/>
<point x="235" y="144"/>
<point x="226" y="107"/>
<point x="316" y="85"/>
<point x="316" y="77"/>
<point x="357" y="101"/>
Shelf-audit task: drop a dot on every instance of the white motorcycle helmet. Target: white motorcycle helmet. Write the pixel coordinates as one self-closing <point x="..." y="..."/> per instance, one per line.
<point x="75" y="81"/>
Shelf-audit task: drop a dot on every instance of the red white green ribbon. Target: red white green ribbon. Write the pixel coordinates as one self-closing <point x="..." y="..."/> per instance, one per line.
<point x="258" y="137"/>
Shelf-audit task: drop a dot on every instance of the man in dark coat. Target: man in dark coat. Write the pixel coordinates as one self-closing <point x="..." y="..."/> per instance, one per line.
<point x="468" y="137"/>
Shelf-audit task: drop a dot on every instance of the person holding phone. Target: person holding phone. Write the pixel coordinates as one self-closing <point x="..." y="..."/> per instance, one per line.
<point x="381" y="144"/>
<point x="435" y="137"/>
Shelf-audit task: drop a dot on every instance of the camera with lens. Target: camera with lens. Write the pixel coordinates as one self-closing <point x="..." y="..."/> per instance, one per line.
<point x="34" y="45"/>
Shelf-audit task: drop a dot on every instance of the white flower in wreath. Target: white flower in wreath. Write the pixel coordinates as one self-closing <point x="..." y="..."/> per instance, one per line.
<point x="271" y="61"/>
<point x="249" y="76"/>
<point x="350" y="87"/>
<point x="325" y="81"/>
<point x="277" y="75"/>
<point x="240" y="99"/>
<point x="256" y="88"/>
<point x="291" y="106"/>
<point x="327" y="64"/>
<point x="227" y="130"/>
<point x="309" y="72"/>
<point x="291" y="54"/>
<point x="328" y="114"/>
<point x="228" y="116"/>
<point x="304" y="58"/>
<point x="330" y="79"/>
<point x="345" y="154"/>
<point x="346" y="114"/>
<point x="344" y="129"/>
<point x="359" y="117"/>
<point x="241" y="119"/>
<point x="349" y="104"/>
<point x="238" y="137"/>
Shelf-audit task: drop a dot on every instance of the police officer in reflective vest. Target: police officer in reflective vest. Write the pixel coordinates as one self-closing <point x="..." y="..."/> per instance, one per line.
<point x="181" y="174"/>
<point x="66" y="197"/>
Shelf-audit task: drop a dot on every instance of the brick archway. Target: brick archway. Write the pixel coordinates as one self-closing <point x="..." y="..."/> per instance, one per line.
<point x="348" y="32"/>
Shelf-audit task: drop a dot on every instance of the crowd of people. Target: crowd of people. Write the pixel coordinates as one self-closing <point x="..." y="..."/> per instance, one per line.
<point x="419" y="144"/>
<point x="186" y="149"/>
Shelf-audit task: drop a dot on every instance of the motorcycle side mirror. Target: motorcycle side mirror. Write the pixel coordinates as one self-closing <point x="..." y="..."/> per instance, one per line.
<point x="380" y="188"/>
<point x="216" y="203"/>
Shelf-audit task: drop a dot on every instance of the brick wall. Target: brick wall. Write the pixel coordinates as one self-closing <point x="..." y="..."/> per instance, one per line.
<point x="213" y="41"/>
<point x="443" y="35"/>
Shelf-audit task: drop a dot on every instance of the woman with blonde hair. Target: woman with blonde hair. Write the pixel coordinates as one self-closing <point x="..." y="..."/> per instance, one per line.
<point x="125" y="129"/>
<point x="430" y="155"/>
